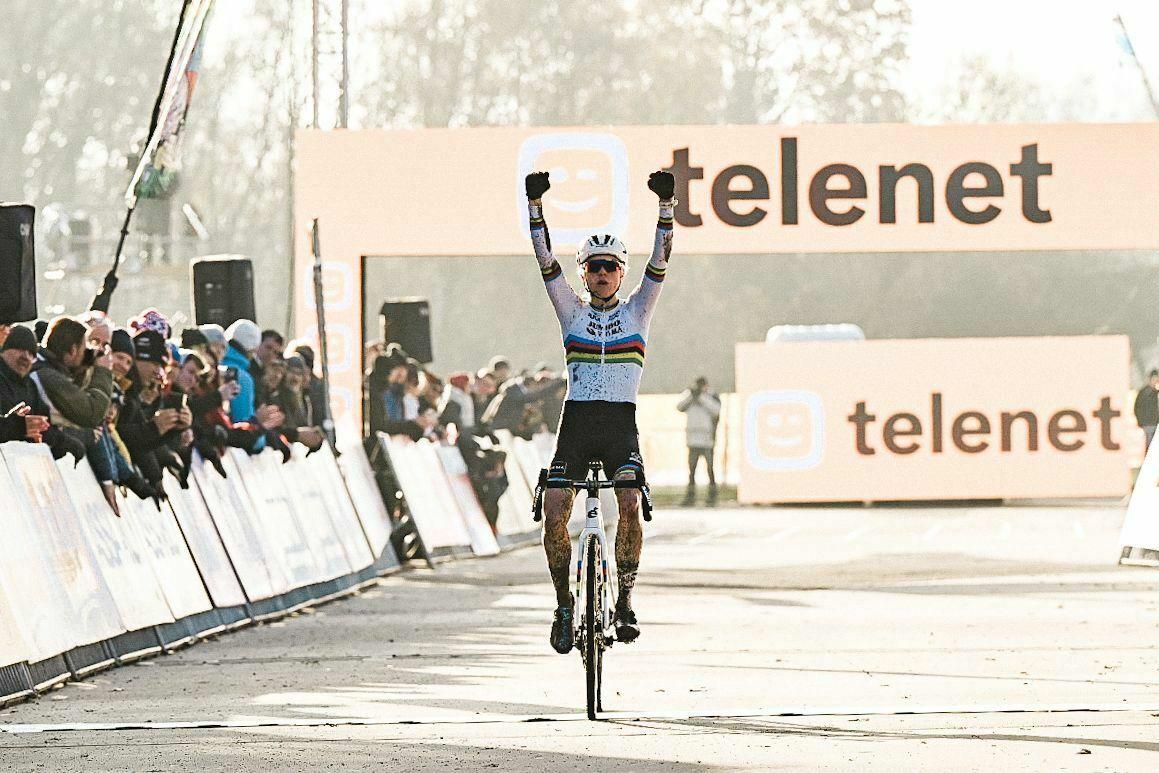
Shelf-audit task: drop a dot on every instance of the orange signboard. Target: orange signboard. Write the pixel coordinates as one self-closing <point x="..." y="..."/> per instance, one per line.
<point x="742" y="189"/>
<point x="934" y="419"/>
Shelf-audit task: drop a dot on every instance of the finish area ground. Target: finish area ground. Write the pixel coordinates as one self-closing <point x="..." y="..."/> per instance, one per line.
<point x="1001" y="638"/>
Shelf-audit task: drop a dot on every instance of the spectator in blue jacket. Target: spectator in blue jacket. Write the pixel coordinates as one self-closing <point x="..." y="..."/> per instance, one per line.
<point x="244" y="337"/>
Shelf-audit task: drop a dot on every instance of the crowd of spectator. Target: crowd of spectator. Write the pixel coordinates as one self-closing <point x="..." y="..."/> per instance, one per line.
<point x="465" y="409"/>
<point x="135" y="401"/>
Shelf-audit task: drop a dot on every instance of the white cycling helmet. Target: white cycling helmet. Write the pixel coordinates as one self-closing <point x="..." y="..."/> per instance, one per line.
<point x="604" y="246"/>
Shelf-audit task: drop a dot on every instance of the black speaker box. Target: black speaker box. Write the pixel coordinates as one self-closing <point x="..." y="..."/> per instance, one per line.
<point x="407" y="322"/>
<point x="17" y="263"/>
<point x="223" y="289"/>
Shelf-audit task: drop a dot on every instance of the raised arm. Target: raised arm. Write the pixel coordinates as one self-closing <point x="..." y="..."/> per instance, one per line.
<point x="644" y="297"/>
<point x="563" y="298"/>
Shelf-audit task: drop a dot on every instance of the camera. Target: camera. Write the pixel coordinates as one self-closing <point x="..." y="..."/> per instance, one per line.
<point x="92" y="353"/>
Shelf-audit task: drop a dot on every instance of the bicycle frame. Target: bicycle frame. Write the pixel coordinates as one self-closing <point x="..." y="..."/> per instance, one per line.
<point x="594" y="527"/>
<point x="591" y="648"/>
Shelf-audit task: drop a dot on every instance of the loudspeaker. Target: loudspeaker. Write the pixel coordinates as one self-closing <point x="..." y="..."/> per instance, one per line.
<point x="407" y="322"/>
<point x="17" y="263"/>
<point x="223" y="289"/>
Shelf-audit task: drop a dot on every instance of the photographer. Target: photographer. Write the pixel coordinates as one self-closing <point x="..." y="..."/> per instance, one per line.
<point x="145" y="424"/>
<point x="76" y="381"/>
<point x="703" y="410"/>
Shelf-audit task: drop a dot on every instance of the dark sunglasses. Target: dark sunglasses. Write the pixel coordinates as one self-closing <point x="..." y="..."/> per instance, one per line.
<point x="610" y="266"/>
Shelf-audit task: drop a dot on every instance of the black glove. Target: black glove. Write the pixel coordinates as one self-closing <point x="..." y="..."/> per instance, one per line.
<point x="138" y="486"/>
<point x="72" y="446"/>
<point x="663" y="184"/>
<point x="536" y="184"/>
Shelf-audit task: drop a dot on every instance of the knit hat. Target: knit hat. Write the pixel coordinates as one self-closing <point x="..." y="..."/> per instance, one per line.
<point x="123" y="342"/>
<point x="191" y="337"/>
<point x="20" y="337"/>
<point x="150" y="347"/>
<point x="460" y="380"/>
<point x="246" y="333"/>
<point x="214" y="334"/>
<point x="151" y="319"/>
<point x="296" y="362"/>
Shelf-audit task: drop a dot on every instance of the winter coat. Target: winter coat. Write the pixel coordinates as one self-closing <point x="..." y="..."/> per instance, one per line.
<point x="13" y="391"/>
<point x="457" y="407"/>
<point x="242" y="407"/>
<point x="70" y="403"/>
<point x="703" y="411"/>
<point x="1147" y="406"/>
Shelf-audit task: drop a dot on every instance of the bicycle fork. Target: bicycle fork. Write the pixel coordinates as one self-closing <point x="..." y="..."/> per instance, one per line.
<point x="594" y="526"/>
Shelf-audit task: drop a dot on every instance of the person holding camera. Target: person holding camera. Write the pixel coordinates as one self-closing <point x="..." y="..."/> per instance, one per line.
<point x="702" y="408"/>
<point x="75" y="380"/>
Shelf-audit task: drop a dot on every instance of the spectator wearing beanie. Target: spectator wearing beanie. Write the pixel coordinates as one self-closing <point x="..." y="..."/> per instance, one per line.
<point x="16" y="361"/>
<point x="456" y="406"/>
<point x="244" y="338"/>
<point x="216" y="340"/>
<point x="143" y="423"/>
<point x="191" y="338"/>
<point x="151" y="319"/>
<point x="123" y="356"/>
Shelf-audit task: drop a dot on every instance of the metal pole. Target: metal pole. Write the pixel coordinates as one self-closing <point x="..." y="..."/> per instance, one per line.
<point x="104" y="294"/>
<point x="315" y="35"/>
<point x="1139" y="65"/>
<point x="320" y="310"/>
<point x="344" y="95"/>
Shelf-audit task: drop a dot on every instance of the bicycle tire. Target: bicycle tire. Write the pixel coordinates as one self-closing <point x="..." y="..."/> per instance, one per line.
<point x="593" y="624"/>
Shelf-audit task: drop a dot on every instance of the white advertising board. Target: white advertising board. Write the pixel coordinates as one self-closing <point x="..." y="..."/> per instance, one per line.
<point x="119" y="550"/>
<point x="49" y="570"/>
<point x="208" y="552"/>
<point x="231" y="514"/>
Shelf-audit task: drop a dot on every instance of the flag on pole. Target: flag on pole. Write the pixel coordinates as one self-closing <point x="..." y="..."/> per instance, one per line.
<point x="157" y="170"/>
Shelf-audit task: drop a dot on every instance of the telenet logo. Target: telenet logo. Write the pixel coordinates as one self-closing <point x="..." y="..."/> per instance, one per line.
<point x="784" y="430"/>
<point x="589" y="183"/>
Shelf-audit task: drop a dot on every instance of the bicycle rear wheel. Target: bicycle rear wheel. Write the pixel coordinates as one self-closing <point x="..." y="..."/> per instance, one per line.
<point x="593" y="652"/>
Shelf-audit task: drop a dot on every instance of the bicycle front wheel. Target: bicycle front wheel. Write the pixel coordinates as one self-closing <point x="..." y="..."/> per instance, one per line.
<point x="593" y="624"/>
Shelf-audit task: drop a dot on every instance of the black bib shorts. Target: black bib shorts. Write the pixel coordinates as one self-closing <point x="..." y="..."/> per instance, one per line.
<point x="596" y="430"/>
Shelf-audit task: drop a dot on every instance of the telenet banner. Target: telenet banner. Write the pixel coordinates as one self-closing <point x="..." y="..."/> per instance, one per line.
<point x="742" y="189"/>
<point x="961" y="418"/>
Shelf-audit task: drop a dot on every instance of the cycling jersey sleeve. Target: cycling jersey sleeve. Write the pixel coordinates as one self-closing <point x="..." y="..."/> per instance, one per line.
<point x="643" y="299"/>
<point x="563" y="297"/>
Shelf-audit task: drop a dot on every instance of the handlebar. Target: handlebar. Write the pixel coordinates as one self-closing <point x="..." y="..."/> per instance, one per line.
<point x="590" y="485"/>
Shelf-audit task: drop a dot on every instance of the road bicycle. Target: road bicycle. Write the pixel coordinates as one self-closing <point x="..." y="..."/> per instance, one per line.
<point x="595" y="583"/>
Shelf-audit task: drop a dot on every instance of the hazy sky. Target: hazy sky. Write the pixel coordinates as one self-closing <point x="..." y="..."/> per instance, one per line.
<point x="1056" y="41"/>
<point x="1061" y="43"/>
